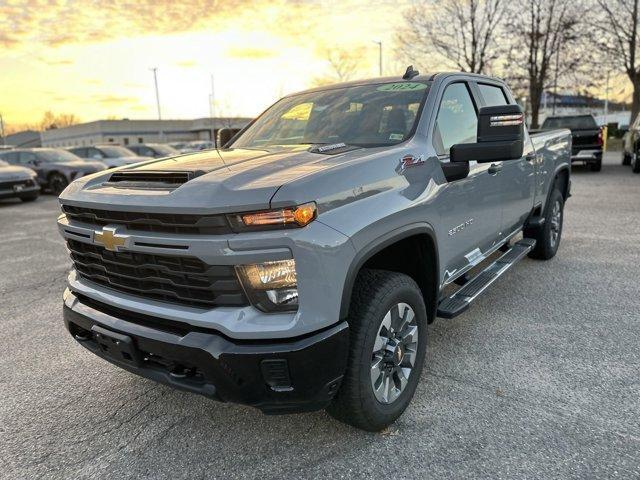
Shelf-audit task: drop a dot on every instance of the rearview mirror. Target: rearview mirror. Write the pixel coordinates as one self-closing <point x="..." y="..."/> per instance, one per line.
<point x="500" y="136"/>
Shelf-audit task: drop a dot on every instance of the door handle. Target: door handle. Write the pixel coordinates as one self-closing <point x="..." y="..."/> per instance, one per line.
<point x="495" y="168"/>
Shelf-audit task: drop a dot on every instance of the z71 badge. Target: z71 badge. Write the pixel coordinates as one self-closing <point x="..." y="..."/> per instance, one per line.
<point x="410" y="161"/>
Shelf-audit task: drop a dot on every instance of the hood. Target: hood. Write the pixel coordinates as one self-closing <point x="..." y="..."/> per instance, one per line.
<point x="14" y="172"/>
<point x="220" y="181"/>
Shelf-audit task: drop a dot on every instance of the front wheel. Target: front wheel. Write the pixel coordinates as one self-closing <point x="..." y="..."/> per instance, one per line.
<point x="57" y="183"/>
<point x="548" y="236"/>
<point x="388" y="327"/>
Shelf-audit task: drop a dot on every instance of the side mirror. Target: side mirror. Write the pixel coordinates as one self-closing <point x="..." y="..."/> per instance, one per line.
<point x="224" y="135"/>
<point x="500" y="136"/>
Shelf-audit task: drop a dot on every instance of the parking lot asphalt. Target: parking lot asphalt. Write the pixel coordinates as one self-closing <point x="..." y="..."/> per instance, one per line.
<point x="539" y="379"/>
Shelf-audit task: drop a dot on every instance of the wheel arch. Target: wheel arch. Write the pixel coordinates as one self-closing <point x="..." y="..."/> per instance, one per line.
<point x="415" y="239"/>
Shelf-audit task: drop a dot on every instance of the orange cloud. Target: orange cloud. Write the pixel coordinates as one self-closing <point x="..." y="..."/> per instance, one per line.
<point x="251" y="53"/>
<point x="114" y="100"/>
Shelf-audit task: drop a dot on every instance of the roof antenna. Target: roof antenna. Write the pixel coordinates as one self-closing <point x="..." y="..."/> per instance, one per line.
<point x="410" y="73"/>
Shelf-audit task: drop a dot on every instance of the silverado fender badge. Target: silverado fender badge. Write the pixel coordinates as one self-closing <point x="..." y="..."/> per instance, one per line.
<point x="410" y="161"/>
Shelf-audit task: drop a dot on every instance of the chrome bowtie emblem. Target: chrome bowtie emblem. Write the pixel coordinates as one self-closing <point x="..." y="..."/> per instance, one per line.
<point x="110" y="239"/>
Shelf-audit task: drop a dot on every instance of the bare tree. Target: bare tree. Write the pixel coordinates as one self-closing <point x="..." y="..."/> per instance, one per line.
<point x="543" y="37"/>
<point x="51" y="121"/>
<point x="619" y="40"/>
<point x="343" y="66"/>
<point x="463" y="33"/>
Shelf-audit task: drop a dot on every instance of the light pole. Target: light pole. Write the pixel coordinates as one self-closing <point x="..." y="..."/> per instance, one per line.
<point x="155" y="81"/>
<point x="212" y="112"/>
<point x="1" y="130"/>
<point x="606" y="102"/>
<point x="379" y="56"/>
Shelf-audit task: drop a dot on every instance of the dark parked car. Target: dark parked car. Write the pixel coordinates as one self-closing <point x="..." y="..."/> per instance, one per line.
<point x="153" y="150"/>
<point x="586" y="136"/>
<point x="111" y="155"/>
<point x="56" y="168"/>
<point x="18" y="182"/>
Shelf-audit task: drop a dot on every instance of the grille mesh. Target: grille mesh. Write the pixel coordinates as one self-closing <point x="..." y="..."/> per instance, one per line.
<point x="174" y="279"/>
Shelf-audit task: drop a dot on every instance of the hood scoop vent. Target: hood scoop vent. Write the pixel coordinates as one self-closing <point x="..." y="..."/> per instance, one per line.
<point x="149" y="179"/>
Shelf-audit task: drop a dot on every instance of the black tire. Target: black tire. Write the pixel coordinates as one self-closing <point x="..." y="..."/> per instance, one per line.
<point x="29" y="198"/>
<point x="635" y="165"/>
<point x="57" y="183"/>
<point x="376" y="293"/>
<point x="626" y="158"/>
<point x="546" y="242"/>
<point x="596" y="166"/>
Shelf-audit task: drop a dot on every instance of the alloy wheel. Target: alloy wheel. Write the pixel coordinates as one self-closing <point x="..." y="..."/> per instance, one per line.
<point x="394" y="353"/>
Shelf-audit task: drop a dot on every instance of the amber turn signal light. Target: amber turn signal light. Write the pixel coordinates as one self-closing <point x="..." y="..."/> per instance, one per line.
<point x="293" y="216"/>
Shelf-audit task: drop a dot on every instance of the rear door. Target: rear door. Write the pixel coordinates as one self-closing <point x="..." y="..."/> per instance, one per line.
<point x="517" y="177"/>
<point x="470" y="209"/>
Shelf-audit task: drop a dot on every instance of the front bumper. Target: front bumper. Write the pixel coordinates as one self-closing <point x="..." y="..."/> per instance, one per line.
<point x="282" y="376"/>
<point x="21" y="188"/>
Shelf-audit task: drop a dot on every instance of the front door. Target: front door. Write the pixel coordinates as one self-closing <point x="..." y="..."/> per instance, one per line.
<point x="470" y="209"/>
<point x="517" y="177"/>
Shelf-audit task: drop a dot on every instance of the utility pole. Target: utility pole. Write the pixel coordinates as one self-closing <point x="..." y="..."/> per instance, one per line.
<point x="1" y="130"/>
<point x="212" y="113"/>
<point x="379" y="56"/>
<point x="606" y="102"/>
<point x="555" y="81"/>
<point x="155" y="81"/>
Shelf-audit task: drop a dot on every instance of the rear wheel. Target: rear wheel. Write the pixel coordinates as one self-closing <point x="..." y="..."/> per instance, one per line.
<point x="57" y="183"/>
<point x="548" y="236"/>
<point x="388" y="326"/>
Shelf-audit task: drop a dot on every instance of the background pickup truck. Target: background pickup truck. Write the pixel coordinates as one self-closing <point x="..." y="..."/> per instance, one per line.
<point x="586" y="135"/>
<point x="298" y="267"/>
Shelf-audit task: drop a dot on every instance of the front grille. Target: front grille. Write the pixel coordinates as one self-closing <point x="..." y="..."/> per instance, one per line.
<point x="152" y="222"/>
<point x="173" y="279"/>
<point x="11" y="184"/>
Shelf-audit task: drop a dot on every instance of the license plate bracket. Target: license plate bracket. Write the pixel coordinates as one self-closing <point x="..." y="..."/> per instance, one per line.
<point x="115" y="345"/>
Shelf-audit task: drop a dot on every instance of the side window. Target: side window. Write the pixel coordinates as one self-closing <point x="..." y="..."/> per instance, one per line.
<point x="457" y="120"/>
<point x="11" y="157"/>
<point x="27" y="157"/>
<point x="94" y="153"/>
<point x="492" y="95"/>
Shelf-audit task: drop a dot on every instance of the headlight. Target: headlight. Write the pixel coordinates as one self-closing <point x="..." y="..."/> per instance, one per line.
<point x="289" y="217"/>
<point x="271" y="286"/>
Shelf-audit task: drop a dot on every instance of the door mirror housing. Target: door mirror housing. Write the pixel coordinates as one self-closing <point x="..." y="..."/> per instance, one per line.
<point x="224" y="135"/>
<point x="500" y="136"/>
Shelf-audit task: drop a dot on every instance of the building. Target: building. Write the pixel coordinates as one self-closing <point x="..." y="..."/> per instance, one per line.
<point x="613" y="112"/>
<point x="127" y="132"/>
<point x="25" y="139"/>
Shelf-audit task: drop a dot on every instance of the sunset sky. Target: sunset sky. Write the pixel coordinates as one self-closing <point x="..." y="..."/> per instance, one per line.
<point x="93" y="58"/>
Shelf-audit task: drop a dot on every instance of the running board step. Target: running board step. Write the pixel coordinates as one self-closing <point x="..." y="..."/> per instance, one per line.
<point x="461" y="299"/>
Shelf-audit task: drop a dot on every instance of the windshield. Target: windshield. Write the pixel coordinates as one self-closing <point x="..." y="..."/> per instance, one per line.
<point x="116" y="152"/>
<point x="583" y="122"/>
<point x="165" y="149"/>
<point x="57" y="156"/>
<point x="367" y="116"/>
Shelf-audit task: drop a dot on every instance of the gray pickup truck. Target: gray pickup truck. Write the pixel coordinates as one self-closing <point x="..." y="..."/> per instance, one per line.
<point x="298" y="267"/>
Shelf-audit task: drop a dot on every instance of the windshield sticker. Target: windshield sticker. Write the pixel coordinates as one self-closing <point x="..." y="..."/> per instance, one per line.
<point x="401" y="87"/>
<point x="396" y="136"/>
